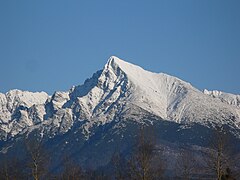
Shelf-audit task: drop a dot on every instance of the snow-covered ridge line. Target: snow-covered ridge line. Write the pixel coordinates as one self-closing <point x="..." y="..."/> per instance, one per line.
<point x="26" y="97"/>
<point x="120" y="91"/>
<point x="228" y="98"/>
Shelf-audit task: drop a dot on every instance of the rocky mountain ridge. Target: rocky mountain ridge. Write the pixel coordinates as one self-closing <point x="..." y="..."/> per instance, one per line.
<point x="119" y="92"/>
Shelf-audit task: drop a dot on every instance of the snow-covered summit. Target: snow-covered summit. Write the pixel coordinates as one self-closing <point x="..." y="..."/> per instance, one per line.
<point x="120" y="91"/>
<point x="115" y="62"/>
<point x="154" y="92"/>
<point x="15" y="98"/>
<point x="123" y="84"/>
<point x="16" y="109"/>
<point x="25" y="97"/>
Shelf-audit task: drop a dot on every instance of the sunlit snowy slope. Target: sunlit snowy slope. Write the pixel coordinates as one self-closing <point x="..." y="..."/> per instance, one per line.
<point x="119" y="92"/>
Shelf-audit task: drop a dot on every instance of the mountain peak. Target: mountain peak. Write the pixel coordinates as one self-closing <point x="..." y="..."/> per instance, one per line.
<point x="124" y="65"/>
<point x="132" y="71"/>
<point x="115" y="59"/>
<point x="120" y="90"/>
<point x="26" y="97"/>
<point x="115" y="62"/>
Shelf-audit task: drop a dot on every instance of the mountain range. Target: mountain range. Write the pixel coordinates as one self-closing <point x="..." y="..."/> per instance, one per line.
<point x="103" y="113"/>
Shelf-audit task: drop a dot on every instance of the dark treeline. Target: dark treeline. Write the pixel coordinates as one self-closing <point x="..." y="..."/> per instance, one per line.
<point x="147" y="161"/>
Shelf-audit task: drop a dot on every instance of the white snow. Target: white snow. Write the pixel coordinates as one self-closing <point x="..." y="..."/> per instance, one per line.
<point x="120" y="89"/>
<point x="228" y="98"/>
<point x="17" y="97"/>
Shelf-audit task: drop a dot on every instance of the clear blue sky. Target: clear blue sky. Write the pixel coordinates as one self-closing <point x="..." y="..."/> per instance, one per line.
<point x="53" y="44"/>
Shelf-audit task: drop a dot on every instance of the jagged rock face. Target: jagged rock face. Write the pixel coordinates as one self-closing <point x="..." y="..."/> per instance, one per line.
<point x="16" y="99"/>
<point x="119" y="92"/>
<point x="227" y="98"/>
<point x="20" y="110"/>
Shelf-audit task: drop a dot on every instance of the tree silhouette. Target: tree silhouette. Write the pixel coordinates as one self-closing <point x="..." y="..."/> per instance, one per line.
<point x="12" y="168"/>
<point x="37" y="158"/>
<point x="185" y="164"/>
<point x="142" y="165"/>
<point x="220" y="156"/>
<point x="71" y="170"/>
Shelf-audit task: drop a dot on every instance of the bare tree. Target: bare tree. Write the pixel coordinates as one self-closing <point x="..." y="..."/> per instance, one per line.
<point x="120" y="166"/>
<point x="220" y="158"/>
<point x="142" y="165"/>
<point x="228" y="175"/>
<point x="96" y="175"/>
<point x="12" y="169"/>
<point x="185" y="164"/>
<point x="71" y="170"/>
<point x="37" y="158"/>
